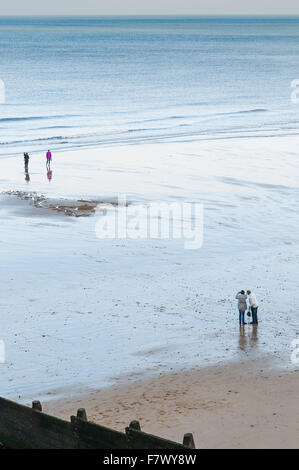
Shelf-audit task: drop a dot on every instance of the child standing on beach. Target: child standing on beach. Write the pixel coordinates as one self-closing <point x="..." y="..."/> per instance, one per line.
<point x="49" y="158"/>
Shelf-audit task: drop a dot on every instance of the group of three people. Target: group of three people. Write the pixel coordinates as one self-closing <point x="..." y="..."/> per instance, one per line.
<point x="251" y="307"/>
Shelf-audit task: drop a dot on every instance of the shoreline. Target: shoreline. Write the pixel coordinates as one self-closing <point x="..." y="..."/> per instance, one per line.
<point x="246" y="404"/>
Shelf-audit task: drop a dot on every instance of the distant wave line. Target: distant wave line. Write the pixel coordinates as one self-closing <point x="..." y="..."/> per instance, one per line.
<point x="35" y="118"/>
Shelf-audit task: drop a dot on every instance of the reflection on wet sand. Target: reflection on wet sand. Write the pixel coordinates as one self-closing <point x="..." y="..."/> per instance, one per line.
<point x="27" y="175"/>
<point x="248" y="338"/>
<point x="50" y="175"/>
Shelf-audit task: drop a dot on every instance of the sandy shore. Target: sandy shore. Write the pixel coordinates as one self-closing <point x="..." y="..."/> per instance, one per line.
<point x="239" y="405"/>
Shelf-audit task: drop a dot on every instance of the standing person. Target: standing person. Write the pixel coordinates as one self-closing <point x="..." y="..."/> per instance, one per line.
<point x="253" y="304"/>
<point x="49" y="158"/>
<point x="242" y="306"/>
<point x="26" y="160"/>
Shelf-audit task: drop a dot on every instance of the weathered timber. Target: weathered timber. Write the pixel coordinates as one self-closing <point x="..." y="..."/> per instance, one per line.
<point x="142" y="440"/>
<point x="81" y="414"/>
<point x="189" y="441"/>
<point x="36" y="405"/>
<point x="22" y="427"/>
<point x="94" y="436"/>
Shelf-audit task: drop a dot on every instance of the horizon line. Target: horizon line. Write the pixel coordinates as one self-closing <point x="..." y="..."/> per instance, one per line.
<point x="154" y="15"/>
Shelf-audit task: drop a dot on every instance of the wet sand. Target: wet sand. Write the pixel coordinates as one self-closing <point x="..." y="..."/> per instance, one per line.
<point x="239" y="405"/>
<point x="83" y="313"/>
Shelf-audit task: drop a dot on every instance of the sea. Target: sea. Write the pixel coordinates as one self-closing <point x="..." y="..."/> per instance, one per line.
<point x="102" y="81"/>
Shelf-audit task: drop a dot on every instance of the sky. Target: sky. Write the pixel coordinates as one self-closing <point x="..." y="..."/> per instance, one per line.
<point x="149" y="7"/>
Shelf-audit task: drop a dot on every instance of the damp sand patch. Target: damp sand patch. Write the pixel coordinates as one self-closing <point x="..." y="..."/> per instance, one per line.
<point x="68" y="207"/>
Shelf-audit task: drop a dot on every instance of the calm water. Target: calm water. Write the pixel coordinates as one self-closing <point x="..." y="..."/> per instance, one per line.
<point x="102" y="81"/>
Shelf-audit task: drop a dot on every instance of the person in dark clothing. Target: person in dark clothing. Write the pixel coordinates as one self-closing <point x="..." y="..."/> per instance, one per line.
<point x="26" y="160"/>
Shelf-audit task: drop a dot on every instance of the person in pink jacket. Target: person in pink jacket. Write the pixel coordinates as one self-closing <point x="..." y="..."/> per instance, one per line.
<point x="49" y="158"/>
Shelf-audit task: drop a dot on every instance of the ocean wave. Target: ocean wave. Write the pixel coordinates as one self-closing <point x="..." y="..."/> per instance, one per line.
<point x="243" y="111"/>
<point x="202" y="116"/>
<point x="35" y="118"/>
<point x="255" y="110"/>
<point x="176" y="131"/>
<point x="42" y="139"/>
<point x="250" y="111"/>
<point x="165" y="118"/>
<point x="52" y="127"/>
<point x="145" y="129"/>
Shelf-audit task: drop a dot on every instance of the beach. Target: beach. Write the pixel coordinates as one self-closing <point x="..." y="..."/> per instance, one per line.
<point x="93" y="312"/>
<point x="141" y="328"/>
<point x="241" y="405"/>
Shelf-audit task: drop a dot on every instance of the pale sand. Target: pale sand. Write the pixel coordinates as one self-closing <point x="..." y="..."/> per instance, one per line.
<point x="244" y="405"/>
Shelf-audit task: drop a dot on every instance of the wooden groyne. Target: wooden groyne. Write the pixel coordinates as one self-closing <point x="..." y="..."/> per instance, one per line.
<point x="22" y="427"/>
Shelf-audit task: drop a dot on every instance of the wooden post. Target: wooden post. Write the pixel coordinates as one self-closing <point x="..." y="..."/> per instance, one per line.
<point x="36" y="405"/>
<point x="81" y="414"/>
<point x="135" y="425"/>
<point x="189" y="441"/>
